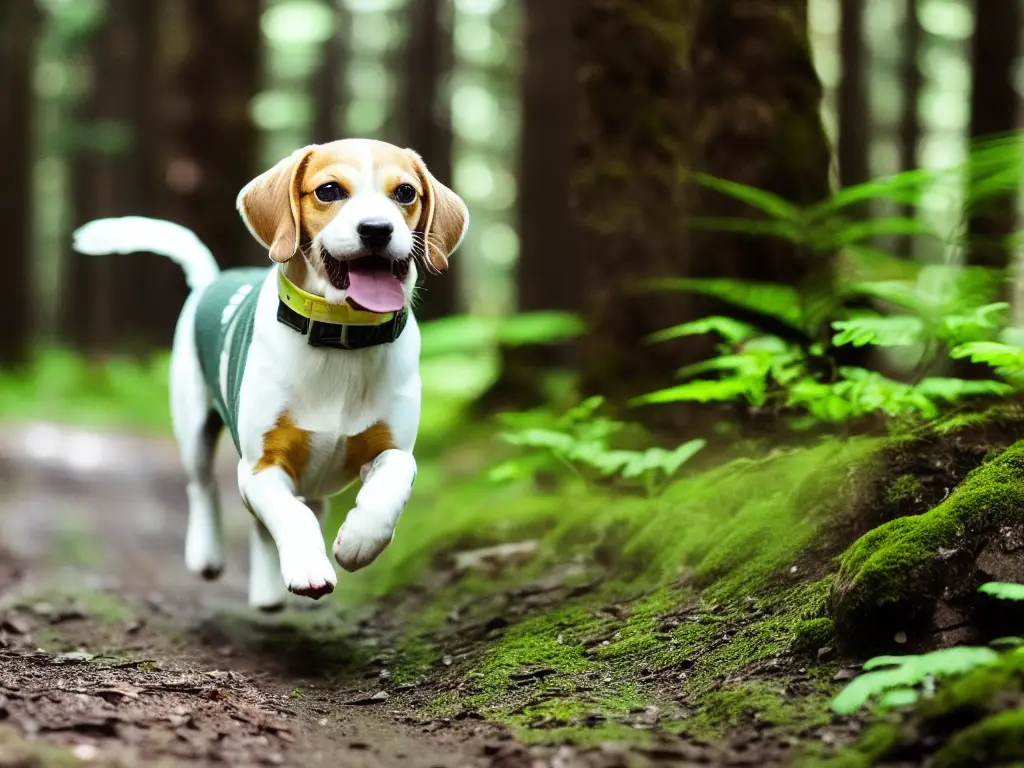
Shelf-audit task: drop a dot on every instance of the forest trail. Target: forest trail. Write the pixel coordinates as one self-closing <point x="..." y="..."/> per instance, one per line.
<point x="113" y="654"/>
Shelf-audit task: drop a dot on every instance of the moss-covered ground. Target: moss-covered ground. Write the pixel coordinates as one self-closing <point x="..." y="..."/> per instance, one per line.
<point x="726" y="610"/>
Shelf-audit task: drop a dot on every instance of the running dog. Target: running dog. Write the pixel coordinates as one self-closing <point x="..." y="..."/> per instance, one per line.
<point x="311" y="363"/>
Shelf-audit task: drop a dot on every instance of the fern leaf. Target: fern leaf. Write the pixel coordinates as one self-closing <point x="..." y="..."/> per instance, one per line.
<point x="852" y="234"/>
<point x="903" y="187"/>
<point x="1007" y="642"/>
<point x="898" y="698"/>
<point x="907" y="671"/>
<point x="1002" y="357"/>
<point x="879" y="330"/>
<point x="733" y="331"/>
<point x="768" y="203"/>
<point x="868" y="686"/>
<point x="953" y="390"/>
<point x="742" y="363"/>
<point x="671" y="461"/>
<point x="700" y="391"/>
<point x="540" y="438"/>
<point x="781" y="302"/>
<point x="1003" y="590"/>
<point x="898" y="292"/>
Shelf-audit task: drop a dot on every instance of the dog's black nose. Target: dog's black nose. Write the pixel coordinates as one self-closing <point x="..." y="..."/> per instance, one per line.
<point x="375" y="233"/>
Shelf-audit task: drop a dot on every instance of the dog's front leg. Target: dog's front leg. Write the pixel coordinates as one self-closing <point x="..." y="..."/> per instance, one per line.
<point x="370" y="526"/>
<point x="304" y="565"/>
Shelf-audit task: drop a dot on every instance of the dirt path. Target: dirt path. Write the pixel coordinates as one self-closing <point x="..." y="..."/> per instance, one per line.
<point x="138" y="667"/>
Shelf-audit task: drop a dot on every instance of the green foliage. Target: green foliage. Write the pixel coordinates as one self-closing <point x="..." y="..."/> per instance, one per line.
<point x="466" y="334"/>
<point x="930" y="314"/>
<point x="583" y="442"/>
<point x="781" y="302"/>
<point x="1006" y="360"/>
<point x="767" y="371"/>
<point x="892" y="680"/>
<point x="1003" y="590"/>
<point x="63" y="386"/>
<point x="896" y="681"/>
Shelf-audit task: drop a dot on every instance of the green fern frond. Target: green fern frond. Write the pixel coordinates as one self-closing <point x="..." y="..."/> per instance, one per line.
<point x="764" y="201"/>
<point x="879" y="330"/>
<point x="891" y="673"/>
<point x="733" y="331"/>
<point x="1003" y="590"/>
<point x="781" y="302"/>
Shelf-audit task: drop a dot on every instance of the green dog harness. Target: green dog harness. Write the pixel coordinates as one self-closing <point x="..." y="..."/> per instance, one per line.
<point x="226" y="315"/>
<point x="224" y="321"/>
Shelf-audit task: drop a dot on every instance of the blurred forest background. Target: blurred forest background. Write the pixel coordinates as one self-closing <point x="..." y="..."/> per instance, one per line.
<point x="571" y="128"/>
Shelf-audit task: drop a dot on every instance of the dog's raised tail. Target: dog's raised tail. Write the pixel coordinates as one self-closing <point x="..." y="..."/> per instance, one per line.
<point x="131" y="234"/>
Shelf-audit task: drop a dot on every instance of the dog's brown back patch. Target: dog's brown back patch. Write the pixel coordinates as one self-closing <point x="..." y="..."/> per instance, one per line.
<point x="285" y="446"/>
<point x="367" y="446"/>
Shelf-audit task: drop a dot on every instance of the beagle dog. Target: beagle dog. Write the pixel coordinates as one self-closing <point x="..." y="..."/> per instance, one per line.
<point x="312" y="363"/>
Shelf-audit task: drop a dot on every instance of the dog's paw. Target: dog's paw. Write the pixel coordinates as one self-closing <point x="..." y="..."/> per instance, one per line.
<point x="309" y="574"/>
<point x="360" y="542"/>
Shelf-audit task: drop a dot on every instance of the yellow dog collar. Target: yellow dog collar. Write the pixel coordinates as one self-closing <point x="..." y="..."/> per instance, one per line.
<point x="317" y="308"/>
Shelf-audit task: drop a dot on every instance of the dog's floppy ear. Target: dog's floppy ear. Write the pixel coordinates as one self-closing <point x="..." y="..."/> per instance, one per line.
<point x="444" y="219"/>
<point x="269" y="205"/>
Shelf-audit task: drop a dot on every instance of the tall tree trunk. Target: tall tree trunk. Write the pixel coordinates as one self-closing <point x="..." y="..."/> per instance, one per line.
<point x="19" y="30"/>
<point x="995" y="109"/>
<point x="854" y="116"/>
<point x="738" y="98"/>
<point x="550" y="262"/>
<point x="117" y="171"/>
<point x="158" y="290"/>
<point x="425" y="120"/>
<point x="214" y="149"/>
<point x="757" y="120"/>
<point x="629" y="194"/>
<point x="910" y="119"/>
<point x="329" y="81"/>
<point x="103" y="183"/>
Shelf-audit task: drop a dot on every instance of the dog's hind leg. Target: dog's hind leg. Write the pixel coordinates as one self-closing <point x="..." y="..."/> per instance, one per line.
<point x="266" y="587"/>
<point x="197" y="426"/>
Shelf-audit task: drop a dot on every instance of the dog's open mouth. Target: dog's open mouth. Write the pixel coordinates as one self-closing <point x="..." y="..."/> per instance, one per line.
<point x="372" y="283"/>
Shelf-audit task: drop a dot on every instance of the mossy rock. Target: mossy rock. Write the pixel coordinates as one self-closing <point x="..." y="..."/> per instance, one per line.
<point x="907" y="574"/>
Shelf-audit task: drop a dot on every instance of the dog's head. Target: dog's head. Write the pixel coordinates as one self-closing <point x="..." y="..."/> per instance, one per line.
<point x="359" y="213"/>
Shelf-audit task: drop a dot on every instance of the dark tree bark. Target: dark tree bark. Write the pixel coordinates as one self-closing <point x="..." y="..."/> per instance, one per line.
<point x="19" y="29"/>
<point x="122" y="302"/>
<point x="724" y="86"/>
<point x="910" y="120"/>
<point x="102" y="183"/>
<point x="550" y="262"/>
<point x="214" y="145"/>
<point x="424" y="121"/>
<point x="854" y="116"/>
<point x="757" y="120"/>
<point x="329" y="85"/>
<point x="629" y="194"/>
<point x="995" y="109"/>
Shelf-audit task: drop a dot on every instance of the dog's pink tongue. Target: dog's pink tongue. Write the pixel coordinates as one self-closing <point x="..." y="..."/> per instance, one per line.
<point x="374" y="290"/>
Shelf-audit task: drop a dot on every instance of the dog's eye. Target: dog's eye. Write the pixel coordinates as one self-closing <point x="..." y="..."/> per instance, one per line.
<point x="405" y="194"/>
<point x="331" y="192"/>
